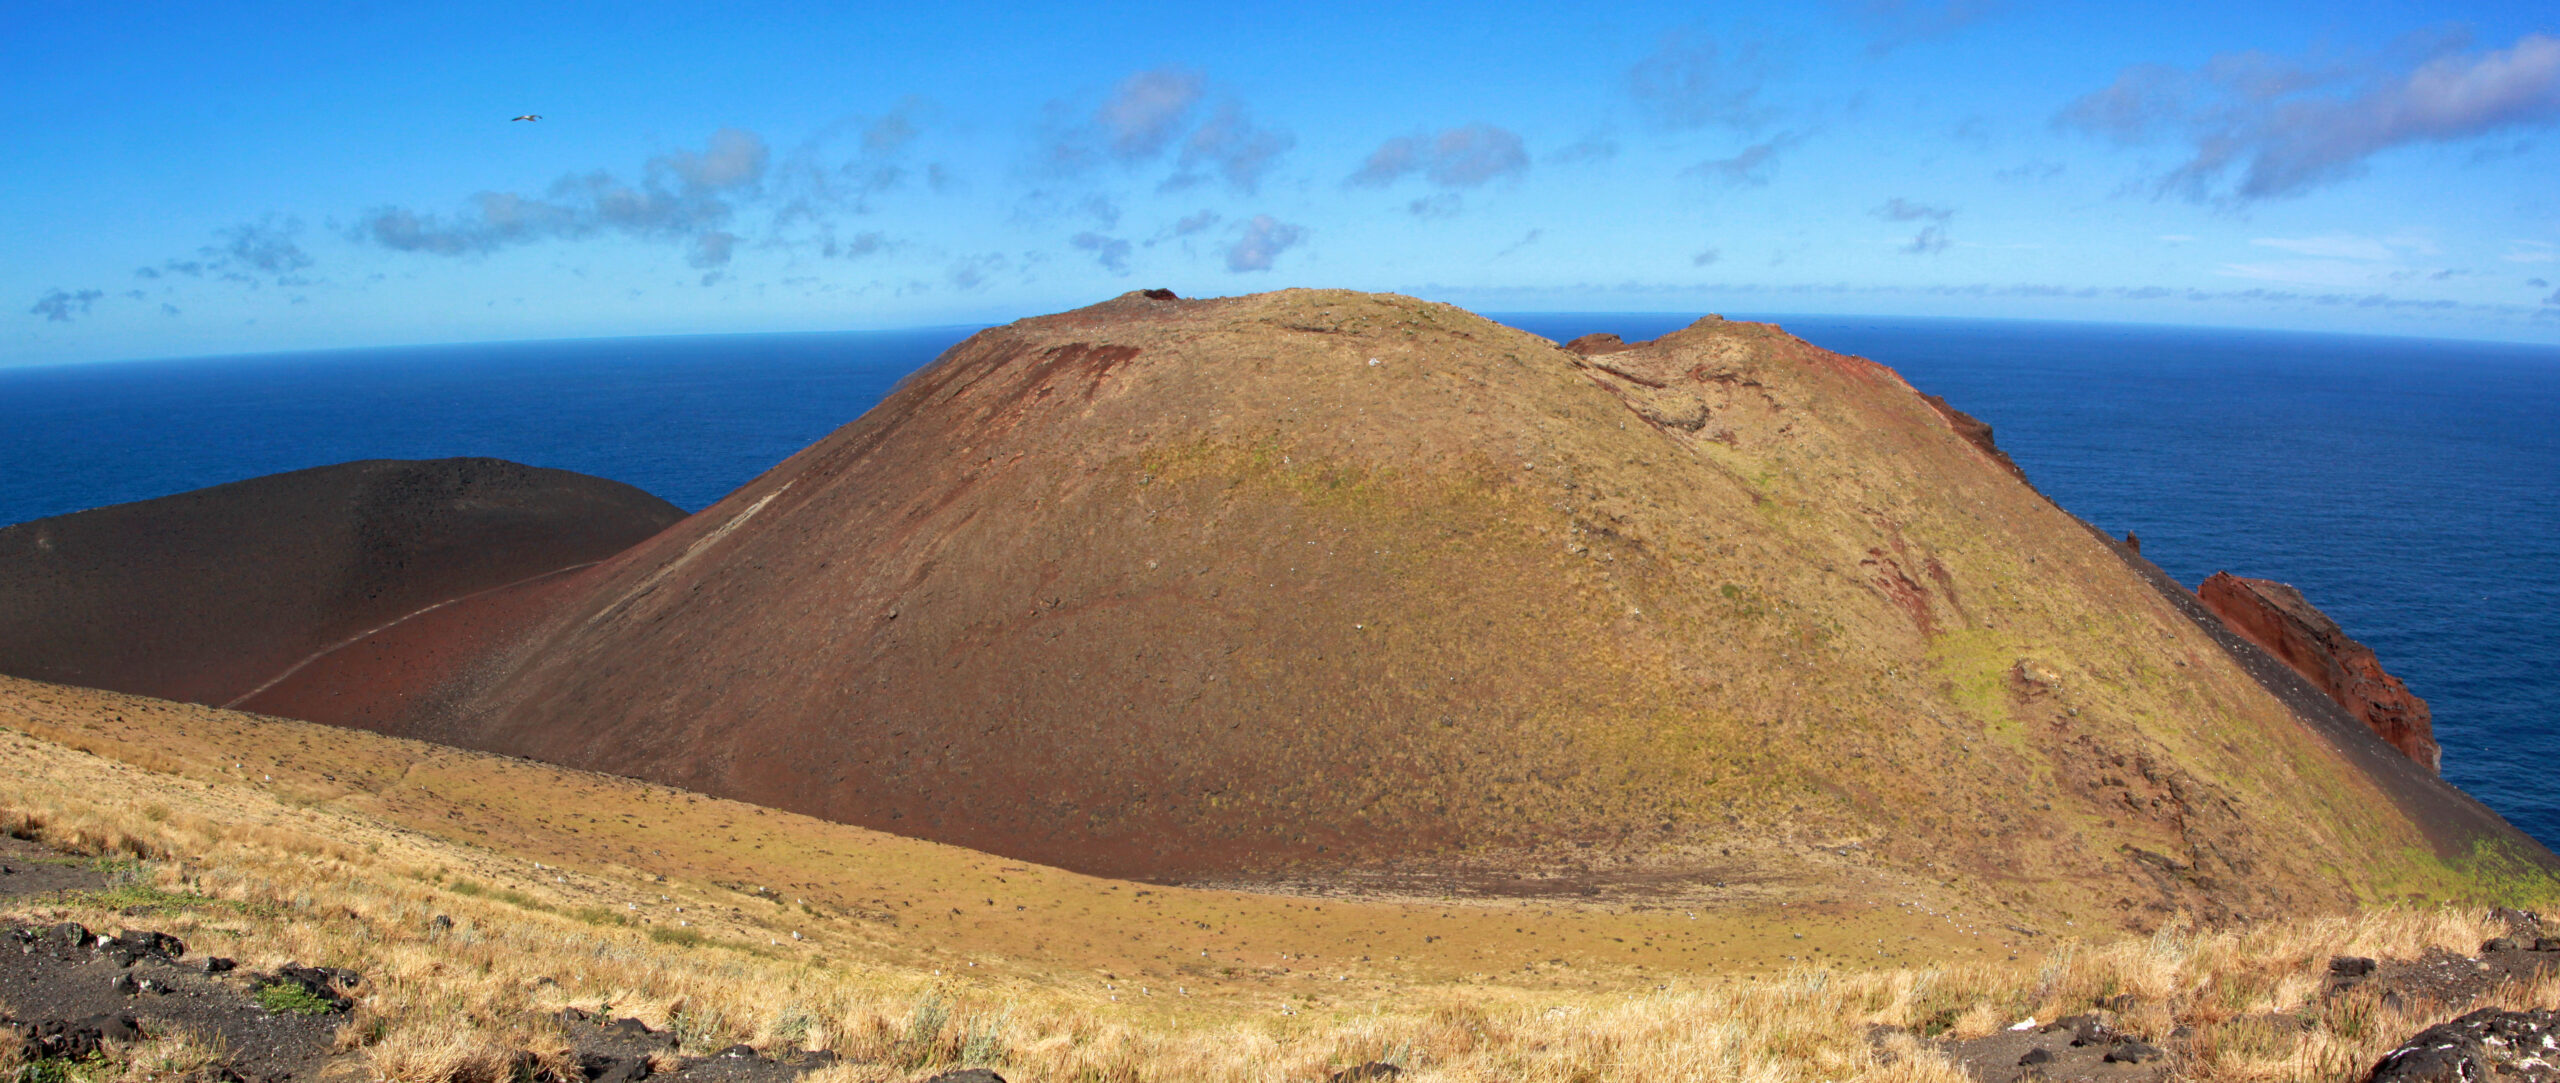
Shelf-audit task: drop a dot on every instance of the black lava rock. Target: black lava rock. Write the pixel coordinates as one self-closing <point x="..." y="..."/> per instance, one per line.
<point x="144" y="943"/>
<point x="2498" y="943"/>
<point x="2035" y="1056"/>
<point x="2132" y="1051"/>
<point x="216" y="964"/>
<point x="968" y="1075"/>
<point x="2486" y="1044"/>
<point x="2351" y="966"/>
<point x="65" y="940"/>
<point x="599" y="1068"/>
<point x="77" y="1039"/>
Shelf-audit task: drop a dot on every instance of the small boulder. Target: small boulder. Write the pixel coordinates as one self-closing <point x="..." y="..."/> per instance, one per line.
<point x="2132" y="1051"/>
<point x="968" y="1075"/>
<point x="2087" y="1028"/>
<point x="216" y="964"/>
<point x="741" y="1050"/>
<point x="2035" y="1056"/>
<point x="2498" y="944"/>
<point x="66" y="939"/>
<point x="600" y="1068"/>
<point x="2351" y="966"/>
<point x="2486" y="1044"/>
<point x="142" y="943"/>
<point x="77" y="1039"/>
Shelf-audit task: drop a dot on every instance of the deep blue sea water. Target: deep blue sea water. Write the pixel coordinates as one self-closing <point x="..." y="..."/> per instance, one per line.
<point x="2410" y="488"/>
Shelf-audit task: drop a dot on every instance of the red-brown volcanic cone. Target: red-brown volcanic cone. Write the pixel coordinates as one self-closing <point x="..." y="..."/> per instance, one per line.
<point x="1319" y="581"/>
<point x="207" y="595"/>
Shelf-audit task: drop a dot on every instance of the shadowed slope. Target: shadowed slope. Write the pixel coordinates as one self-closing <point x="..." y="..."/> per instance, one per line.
<point x="1324" y="583"/>
<point x="207" y="595"/>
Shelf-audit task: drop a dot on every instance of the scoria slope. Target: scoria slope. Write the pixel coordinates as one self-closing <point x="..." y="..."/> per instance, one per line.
<point x="212" y="595"/>
<point x="1338" y="585"/>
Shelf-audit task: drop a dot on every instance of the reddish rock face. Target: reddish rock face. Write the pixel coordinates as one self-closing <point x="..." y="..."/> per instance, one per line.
<point x="2277" y="618"/>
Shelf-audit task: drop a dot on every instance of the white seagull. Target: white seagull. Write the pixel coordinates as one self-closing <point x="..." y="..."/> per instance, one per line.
<point x="530" y="116"/>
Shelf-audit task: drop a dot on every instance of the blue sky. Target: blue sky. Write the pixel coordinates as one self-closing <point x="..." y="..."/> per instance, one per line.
<point x="186" y="180"/>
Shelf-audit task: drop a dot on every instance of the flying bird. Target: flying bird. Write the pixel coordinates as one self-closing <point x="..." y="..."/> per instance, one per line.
<point x="530" y="116"/>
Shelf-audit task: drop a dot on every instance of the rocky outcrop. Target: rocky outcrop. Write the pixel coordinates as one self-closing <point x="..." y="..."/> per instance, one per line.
<point x="2280" y="621"/>
<point x="2485" y="1045"/>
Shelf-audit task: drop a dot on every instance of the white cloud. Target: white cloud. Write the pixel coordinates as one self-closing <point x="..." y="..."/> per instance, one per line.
<point x="2309" y="272"/>
<point x="2532" y="252"/>
<point x="2266" y="126"/>
<point x="2334" y="246"/>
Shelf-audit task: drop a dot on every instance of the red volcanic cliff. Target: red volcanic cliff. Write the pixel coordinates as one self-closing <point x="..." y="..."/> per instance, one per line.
<point x="2277" y="618"/>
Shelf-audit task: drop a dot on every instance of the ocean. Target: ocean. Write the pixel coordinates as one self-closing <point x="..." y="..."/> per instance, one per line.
<point x="2410" y="488"/>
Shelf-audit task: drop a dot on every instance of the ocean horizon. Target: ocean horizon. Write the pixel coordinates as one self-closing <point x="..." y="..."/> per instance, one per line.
<point x="2406" y="486"/>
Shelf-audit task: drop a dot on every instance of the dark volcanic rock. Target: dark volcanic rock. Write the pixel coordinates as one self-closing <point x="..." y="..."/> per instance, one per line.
<point x="2485" y="1045"/>
<point x="2132" y="1051"/>
<point x="2277" y="618"/>
<point x="75" y="1039"/>
<point x="208" y="595"/>
<point x="1599" y="342"/>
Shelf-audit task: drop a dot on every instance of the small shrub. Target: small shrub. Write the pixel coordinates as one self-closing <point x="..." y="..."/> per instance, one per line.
<point x="984" y="1042"/>
<point x="793" y="1026"/>
<point x="65" y="1070"/>
<point x="677" y="937"/>
<point x="923" y="1043"/>
<point x="597" y="915"/>
<point x="290" y="998"/>
<point x="696" y="1028"/>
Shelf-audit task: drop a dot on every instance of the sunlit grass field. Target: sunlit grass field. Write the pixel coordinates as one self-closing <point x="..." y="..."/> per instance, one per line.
<point x="271" y="841"/>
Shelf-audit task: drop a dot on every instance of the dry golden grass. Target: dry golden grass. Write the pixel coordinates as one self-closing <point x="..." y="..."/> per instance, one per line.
<point x="286" y="863"/>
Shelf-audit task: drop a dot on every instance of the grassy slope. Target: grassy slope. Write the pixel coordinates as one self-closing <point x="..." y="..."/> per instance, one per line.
<point x="902" y="902"/>
<point x="270" y="840"/>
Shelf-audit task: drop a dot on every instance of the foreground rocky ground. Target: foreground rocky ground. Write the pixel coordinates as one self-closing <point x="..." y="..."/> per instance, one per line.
<point x="79" y="1005"/>
<point x="2105" y="1044"/>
